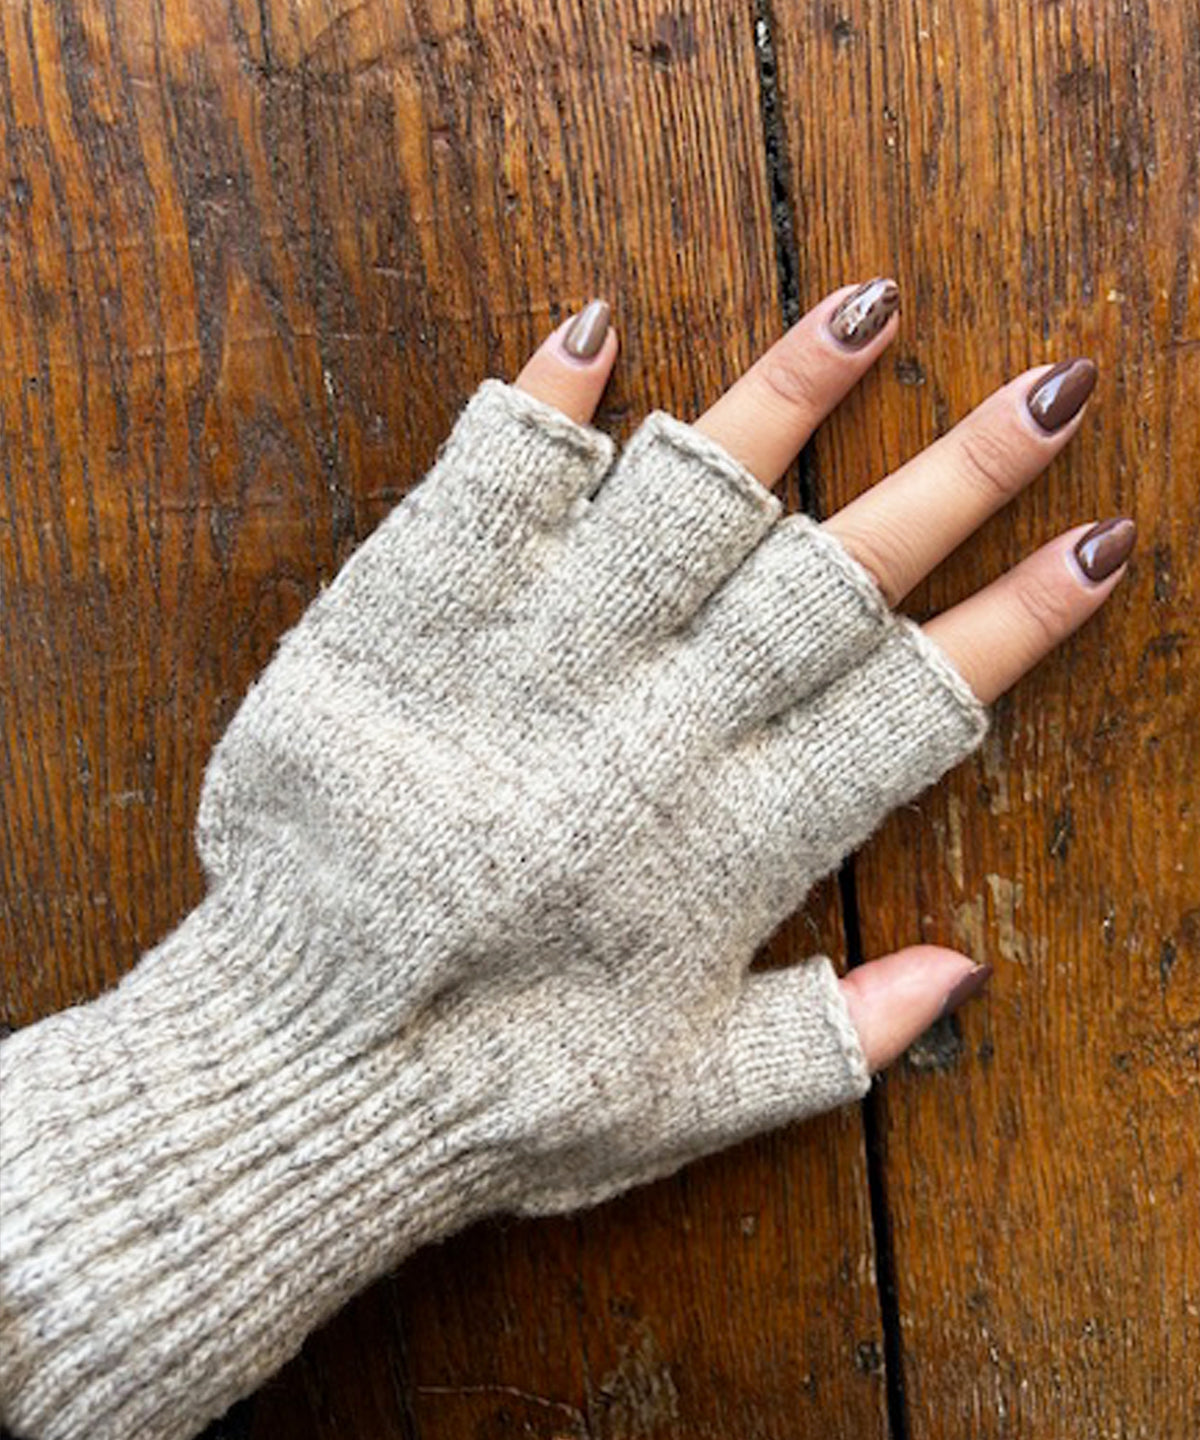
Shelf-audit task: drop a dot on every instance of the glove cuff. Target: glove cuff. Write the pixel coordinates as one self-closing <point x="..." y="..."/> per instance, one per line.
<point x="201" y="1166"/>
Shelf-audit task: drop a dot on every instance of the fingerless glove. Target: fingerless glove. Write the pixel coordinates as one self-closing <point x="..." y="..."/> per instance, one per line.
<point x="490" y="846"/>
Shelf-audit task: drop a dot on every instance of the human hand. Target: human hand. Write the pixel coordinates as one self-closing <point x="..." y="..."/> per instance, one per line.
<point x="567" y="739"/>
<point x="899" y="530"/>
<point x="491" y="844"/>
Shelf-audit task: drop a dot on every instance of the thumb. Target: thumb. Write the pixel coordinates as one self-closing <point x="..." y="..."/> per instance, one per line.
<point x="800" y="1040"/>
<point x="787" y="1050"/>
<point x="894" y="1000"/>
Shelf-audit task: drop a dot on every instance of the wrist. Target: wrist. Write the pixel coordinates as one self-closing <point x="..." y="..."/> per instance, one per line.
<point x="201" y="1166"/>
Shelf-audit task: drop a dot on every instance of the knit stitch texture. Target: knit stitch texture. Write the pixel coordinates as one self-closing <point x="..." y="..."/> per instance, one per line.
<point x="490" y="846"/>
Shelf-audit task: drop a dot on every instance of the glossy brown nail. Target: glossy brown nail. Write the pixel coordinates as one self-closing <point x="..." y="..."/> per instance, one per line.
<point x="1059" y="395"/>
<point x="1105" y="548"/>
<point x="861" y="316"/>
<point x="586" y="335"/>
<point x="964" y="988"/>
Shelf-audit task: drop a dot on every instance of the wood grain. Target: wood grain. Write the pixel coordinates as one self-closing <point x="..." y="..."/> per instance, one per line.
<point x="1031" y="175"/>
<point x="255" y="258"/>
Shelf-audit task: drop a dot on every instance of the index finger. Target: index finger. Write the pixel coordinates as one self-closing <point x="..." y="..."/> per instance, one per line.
<point x="765" y="417"/>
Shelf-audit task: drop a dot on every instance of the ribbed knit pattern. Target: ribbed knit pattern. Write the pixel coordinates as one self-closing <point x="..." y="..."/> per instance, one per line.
<point x="490" y="845"/>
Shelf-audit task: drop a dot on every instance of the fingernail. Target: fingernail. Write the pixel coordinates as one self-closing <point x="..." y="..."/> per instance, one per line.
<point x="1059" y="395"/>
<point x="963" y="989"/>
<point x="586" y="335"/>
<point x="1105" y="548"/>
<point x="861" y="316"/>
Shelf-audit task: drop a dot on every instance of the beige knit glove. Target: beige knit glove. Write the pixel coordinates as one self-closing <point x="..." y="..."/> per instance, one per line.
<point x="491" y="845"/>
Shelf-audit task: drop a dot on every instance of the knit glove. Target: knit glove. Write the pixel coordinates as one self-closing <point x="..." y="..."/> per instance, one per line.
<point x="490" y="847"/>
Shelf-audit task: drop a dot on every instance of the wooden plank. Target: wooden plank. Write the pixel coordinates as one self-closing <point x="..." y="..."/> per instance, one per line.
<point x="255" y="259"/>
<point x="1031" y="174"/>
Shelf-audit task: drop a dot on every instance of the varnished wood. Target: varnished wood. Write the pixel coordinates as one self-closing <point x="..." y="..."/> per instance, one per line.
<point x="255" y="257"/>
<point x="1031" y="175"/>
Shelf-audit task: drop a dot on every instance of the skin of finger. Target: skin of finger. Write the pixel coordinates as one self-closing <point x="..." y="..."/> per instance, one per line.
<point x="767" y="415"/>
<point x="894" y="1000"/>
<point x="570" y="385"/>
<point x="904" y="526"/>
<point x="1003" y="630"/>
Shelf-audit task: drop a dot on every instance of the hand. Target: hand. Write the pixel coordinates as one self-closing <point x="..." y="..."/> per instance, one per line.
<point x="899" y="530"/>
<point x="492" y="843"/>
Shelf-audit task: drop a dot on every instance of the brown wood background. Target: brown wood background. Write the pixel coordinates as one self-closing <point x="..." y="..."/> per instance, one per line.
<point x="255" y="254"/>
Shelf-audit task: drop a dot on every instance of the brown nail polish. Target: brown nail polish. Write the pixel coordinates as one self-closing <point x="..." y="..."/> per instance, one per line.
<point x="861" y="316"/>
<point x="1059" y="395"/>
<point x="586" y="335"/>
<point x="1105" y="548"/>
<point x="963" y="989"/>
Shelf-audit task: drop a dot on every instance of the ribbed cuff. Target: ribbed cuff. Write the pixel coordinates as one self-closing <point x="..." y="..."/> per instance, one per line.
<point x="196" y="1170"/>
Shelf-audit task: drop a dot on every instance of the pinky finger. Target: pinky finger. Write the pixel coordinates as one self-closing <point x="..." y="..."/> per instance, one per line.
<point x="1001" y="632"/>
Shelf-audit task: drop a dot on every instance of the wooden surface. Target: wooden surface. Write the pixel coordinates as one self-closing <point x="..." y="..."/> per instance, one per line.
<point x="1034" y="174"/>
<point x="254" y="258"/>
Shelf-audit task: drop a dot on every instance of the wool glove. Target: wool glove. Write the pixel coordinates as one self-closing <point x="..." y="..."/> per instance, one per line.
<point x="490" y="846"/>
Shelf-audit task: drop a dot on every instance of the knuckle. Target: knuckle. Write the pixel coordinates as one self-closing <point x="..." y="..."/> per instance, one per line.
<point x="788" y="374"/>
<point x="988" y="460"/>
<point x="1044" y="606"/>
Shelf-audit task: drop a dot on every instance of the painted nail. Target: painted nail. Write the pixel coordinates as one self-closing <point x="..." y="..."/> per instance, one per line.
<point x="586" y="335"/>
<point x="1105" y="548"/>
<point x="963" y="989"/>
<point x="1059" y="395"/>
<point x="861" y="316"/>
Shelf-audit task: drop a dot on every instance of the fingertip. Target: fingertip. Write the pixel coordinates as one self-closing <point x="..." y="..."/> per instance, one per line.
<point x="570" y="368"/>
<point x="863" y="318"/>
<point x="582" y="336"/>
<point x="997" y="635"/>
<point x="1100" y="552"/>
<point x="894" y="1000"/>
<point x="1054" y="404"/>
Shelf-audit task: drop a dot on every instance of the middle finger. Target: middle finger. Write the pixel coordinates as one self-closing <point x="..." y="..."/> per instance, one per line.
<point x="902" y="527"/>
